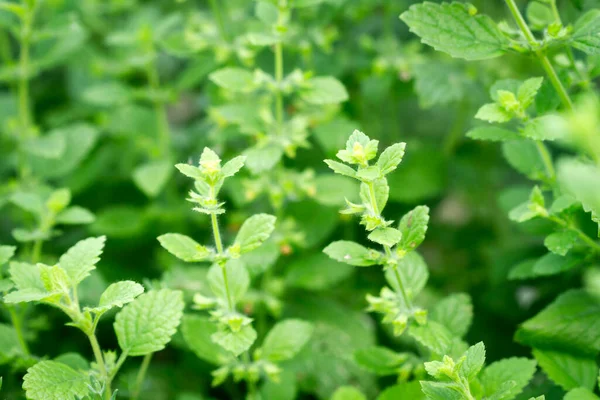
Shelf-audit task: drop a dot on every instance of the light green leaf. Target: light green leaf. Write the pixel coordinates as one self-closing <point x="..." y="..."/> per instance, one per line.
<point x="440" y="391"/>
<point x="516" y="370"/>
<point x="263" y="158"/>
<point x="324" y="90"/>
<point x="386" y="236"/>
<point x="492" y="133"/>
<point x="25" y="275"/>
<point x="580" y="394"/>
<point x="233" y="166"/>
<point x="561" y="242"/>
<point x="340" y="168"/>
<point x="473" y="363"/>
<point x="368" y="174"/>
<point x="581" y="181"/>
<point x="546" y="127"/>
<point x="434" y="336"/>
<point x="454" y="28"/>
<point x="379" y="360"/>
<point x="528" y="90"/>
<point x="51" y="380"/>
<point x="266" y="12"/>
<point x="493" y="112"/>
<point x="405" y="390"/>
<point x="235" y="342"/>
<point x="586" y="33"/>
<point x="6" y="253"/>
<point x="352" y="253"/>
<point x="197" y="332"/>
<point x="190" y="171"/>
<point x="147" y="324"/>
<point x="184" y="247"/>
<point x="524" y="156"/>
<point x="151" y="177"/>
<point x="567" y="370"/>
<point x="254" y="231"/>
<point x="552" y="264"/>
<point x="82" y="258"/>
<point x="28" y="201"/>
<point x="390" y="158"/>
<point x="413" y="271"/>
<point x="348" y="393"/>
<point x="234" y="79"/>
<point x="285" y="340"/>
<point x="455" y="312"/>
<point x="413" y="227"/>
<point x="117" y="295"/>
<point x="568" y="324"/>
<point x="238" y="281"/>
<point x="47" y="146"/>
<point x="75" y="215"/>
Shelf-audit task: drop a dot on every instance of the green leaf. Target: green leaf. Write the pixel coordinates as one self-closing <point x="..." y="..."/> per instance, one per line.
<point x="117" y="295"/>
<point x="379" y="360"/>
<point x="586" y="33"/>
<point x="434" y="336"/>
<point x="266" y="12"/>
<point x="454" y="28"/>
<point x="546" y="127"/>
<point x="473" y="363"/>
<point x="51" y="380"/>
<point x="524" y="156"/>
<point x="516" y="370"/>
<point x="316" y="272"/>
<point x="285" y="340"/>
<point x="528" y="90"/>
<point x="440" y="391"/>
<point x="6" y="253"/>
<point x="340" y="168"/>
<point x="567" y="370"/>
<point x="348" y="393"/>
<point x="263" y="158"/>
<point x="413" y="227"/>
<point x="568" y="324"/>
<point x="235" y="342"/>
<point x="238" y="281"/>
<point x="9" y="343"/>
<point x="413" y="271"/>
<point x="455" y="312"/>
<point x="552" y="264"/>
<point x="28" y="201"/>
<point x="386" y="236"/>
<point x="82" y="258"/>
<point x="390" y="158"/>
<point x="234" y="79"/>
<point x="580" y="394"/>
<point x="581" y="181"/>
<point x="493" y="112"/>
<point x="147" y="324"/>
<point x="197" y="332"/>
<point x="561" y="242"/>
<point x="47" y="146"/>
<point x="352" y="253"/>
<point x="184" y="247"/>
<point x="254" y="231"/>
<point x="492" y="133"/>
<point x="151" y="177"/>
<point x="368" y="174"/>
<point x="405" y="390"/>
<point x="439" y="83"/>
<point x="324" y="90"/>
<point x="75" y="215"/>
<point x="233" y="166"/>
<point x="190" y="171"/>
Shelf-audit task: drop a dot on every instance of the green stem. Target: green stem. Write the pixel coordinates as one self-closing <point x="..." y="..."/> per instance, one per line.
<point x="546" y="159"/>
<point x="101" y="365"/>
<point x="223" y="265"/>
<point x="118" y="365"/>
<point x="36" y="252"/>
<point x="550" y="71"/>
<point x="582" y="235"/>
<point x="16" y="323"/>
<point x="278" y="80"/>
<point x="214" y="5"/>
<point x="160" y="112"/>
<point x="141" y="376"/>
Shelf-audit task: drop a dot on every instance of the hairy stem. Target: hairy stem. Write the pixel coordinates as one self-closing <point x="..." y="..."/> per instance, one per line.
<point x="139" y="380"/>
<point x="17" y="324"/>
<point x="546" y="64"/>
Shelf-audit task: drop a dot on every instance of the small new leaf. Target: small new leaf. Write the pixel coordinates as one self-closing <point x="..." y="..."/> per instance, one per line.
<point x="82" y="258"/>
<point x="413" y="227"/>
<point x="386" y="236"/>
<point x="391" y="157"/>
<point x="117" y="295"/>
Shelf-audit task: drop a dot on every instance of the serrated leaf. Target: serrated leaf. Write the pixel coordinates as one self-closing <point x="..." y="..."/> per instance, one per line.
<point x="233" y="166"/>
<point x="340" y="168"/>
<point x="190" y="171"/>
<point x="567" y="324"/>
<point x="516" y="370"/>
<point x="25" y="275"/>
<point x="455" y="312"/>
<point x="454" y="29"/>
<point x="286" y="339"/>
<point x="473" y="363"/>
<point x="235" y="342"/>
<point x="379" y="360"/>
<point x="234" y="79"/>
<point x="413" y="271"/>
<point x="567" y="370"/>
<point x="147" y="324"/>
<point x="586" y="33"/>
<point x="561" y="242"/>
<point x="580" y="180"/>
<point x="6" y="253"/>
<point x="413" y="227"/>
<point x="117" y="295"/>
<point x="434" y="336"/>
<point x="184" y="247"/>
<point x="51" y="380"/>
<point x="197" y="332"/>
<point x="254" y="231"/>
<point x="324" y="90"/>
<point x="440" y="391"/>
<point x="493" y="112"/>
<point x="386" y="236"/>
<point x="151" y="177"/>
<point x="351" y="253"/>
<point x="82" y="258"/>
<point x="390" y="158"/>
<point x="238" y="281"/>
<point x="528" y="90"/>
<point x="492" y="133"/>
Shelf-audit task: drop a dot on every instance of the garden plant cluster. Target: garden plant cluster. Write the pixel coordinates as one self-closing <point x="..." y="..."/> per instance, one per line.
<point x="299" y="199"/>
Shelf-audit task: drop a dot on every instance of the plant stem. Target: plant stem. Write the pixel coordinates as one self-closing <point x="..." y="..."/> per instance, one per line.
<point x="214" y="5"/>
<point x="550" y="72"/>
<point x="223" y="265"/>
<point x="160" y="112"/>
<point x="140" y="376"/>
<point x="547" y="160"/>
<point x="582" y="235"/>
<point x="101" y="364"/>
<point x="16" y="323"/>
<point x="278" y="80"/>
